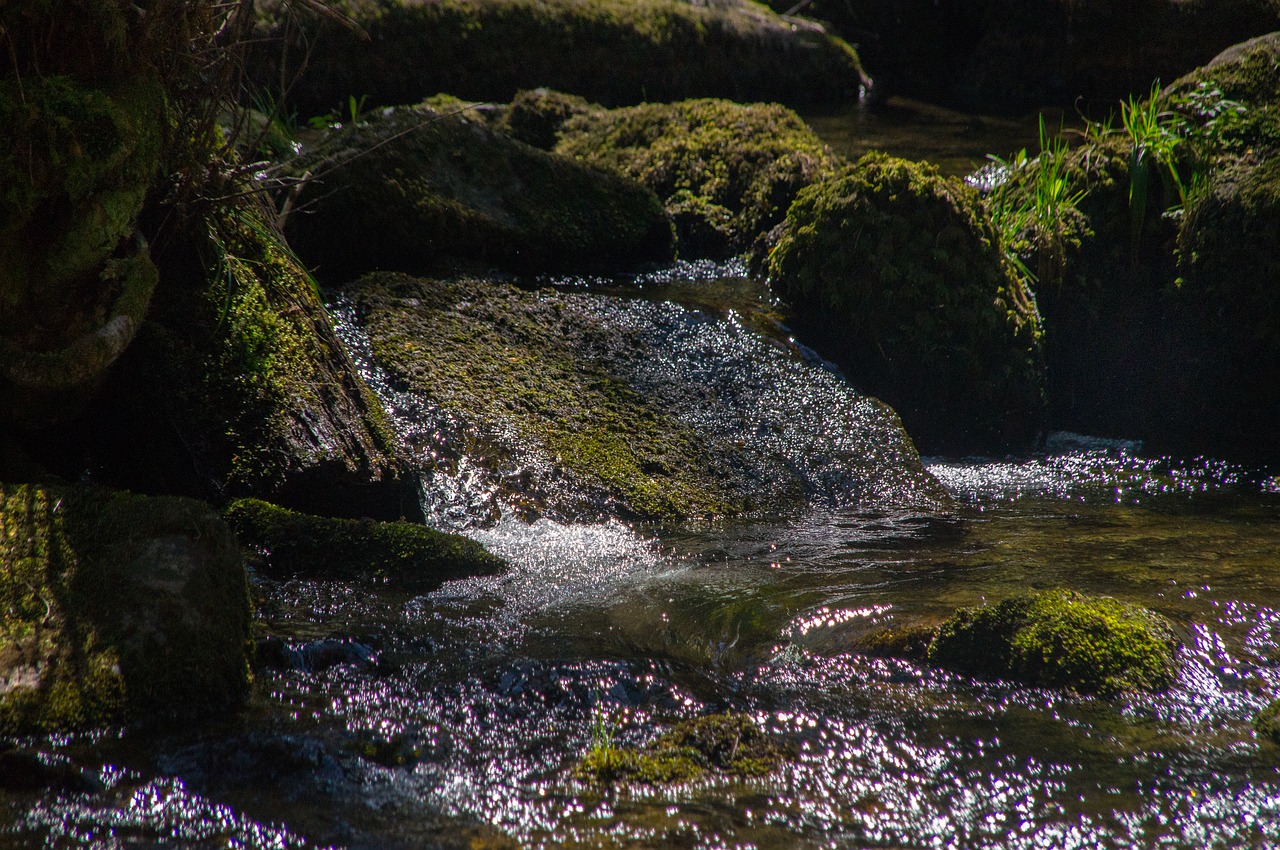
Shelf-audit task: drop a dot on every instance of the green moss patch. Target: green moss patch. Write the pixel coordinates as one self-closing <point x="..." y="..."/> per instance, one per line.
<point x="1267" y="722"/>
<point x="726" y="744"/>
<point x="116" y="608"/>
<point x="609" y="51"/>
<point x="413" y="189"/>
<point x="727" y="172"/>
<point x="895" y="273"/>
<point x="293" y="544"/>
<point x="1062" y="639"/>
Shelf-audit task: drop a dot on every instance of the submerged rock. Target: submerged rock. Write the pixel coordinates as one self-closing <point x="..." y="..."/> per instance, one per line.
<point x="291" y="544"/>
<point x="727" y="172"/>
<point x="614" y="52"/>
<point x="117" y="608"/>
<point x="728" y="743"/>
<point x="1061" y="639"/>
<point x="413" y="188"/>
<point x="576" y="405"/>
<point x="896" y="274"/>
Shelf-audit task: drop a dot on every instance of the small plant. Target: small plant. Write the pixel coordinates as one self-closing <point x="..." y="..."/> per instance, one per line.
<point x="336" y="118"/>
<point x="1155" y="135"/>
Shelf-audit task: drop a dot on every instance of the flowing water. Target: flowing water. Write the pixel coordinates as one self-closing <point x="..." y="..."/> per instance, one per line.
<point x="457" y="717"/>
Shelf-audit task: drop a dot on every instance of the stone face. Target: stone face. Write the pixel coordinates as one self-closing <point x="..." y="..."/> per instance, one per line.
<point x="579" y="406"/>
<point x="1061" y="639"/>
<point x="896" y="274"/>
<point x="414" y="189"/>
<point x="614" y="52"/>
<point x="727" y="172"/>
<point x="119" y="608"/>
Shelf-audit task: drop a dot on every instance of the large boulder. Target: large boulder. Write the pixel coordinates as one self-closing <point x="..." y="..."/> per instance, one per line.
<point x="577" y="406"/>
<point x="727" y="172"/>
<point x="616" y="52"/>
<point x="895" y="273"/>
<point x="1006" y="55"/>
<point x="412" y="188"/>
<point x="237" y="385"/>
<point x="117" y="608"/>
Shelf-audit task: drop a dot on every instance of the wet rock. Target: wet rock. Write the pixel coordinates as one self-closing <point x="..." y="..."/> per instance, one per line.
<point x="412" y="189"/>
<point x="580" y="406"/>
<point x="1062" y="639"/>
<point x="727" y="172"/>
<point x="287" y="543"/>
<point x="118" y="608"/>
<point x="1267" y="722"/>
<point x="487" y="50"/>
<point x="896" y="274"/>
<point x="313" y="656"/>
<point x="24" y="770"/>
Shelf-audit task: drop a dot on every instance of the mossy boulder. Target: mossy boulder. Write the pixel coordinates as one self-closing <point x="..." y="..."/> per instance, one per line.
<point x="75" y="279"/>
<point x="118" y="608"/>
<point x="727" y="172"/>
<point x="535" y="116"/>
<point x="238" y="386"/>
<point x="895" y="273"/>
<point x="729" y="744"/>
<point x="577" y="405"/>
<point x="290" y="544"/>
<point x="414" y="188"/>
<point x="1062" y="639"/>
<point x="614" y="52"/>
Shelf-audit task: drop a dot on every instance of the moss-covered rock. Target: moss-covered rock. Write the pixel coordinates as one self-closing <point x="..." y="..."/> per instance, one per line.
<point x="576" y="405"/>
<point x="1267" y="722"/>
<point x="895" y="273"/>
<point x="535" y="116"/>
<point x="292" y="544"/>
<point x="238" y="386"/>
<point x="116" y="608"/>
<point x="610" y="51"/>
<point x="727" y="172"/>
<point x="1061" y="639"/>
<point x="730" y="744"/>
<point x="413" y="188"/>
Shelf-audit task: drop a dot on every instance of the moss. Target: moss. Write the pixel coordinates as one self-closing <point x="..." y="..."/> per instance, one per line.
<point x="487" y="50"/>
<point x="118" y="608"/>
<point x="910" y="642"/>
<point x="730" y="744"/>
<point x="519" y="364"/>
<point x="294" y="544"/>
<point x="1062" y="639"/>
<point x="1267" y="722"/>
<point x="894" y="272"/>
<point x="726" y="171"/>
<point x="535" y="116"/>
<point x="415" y="189"/>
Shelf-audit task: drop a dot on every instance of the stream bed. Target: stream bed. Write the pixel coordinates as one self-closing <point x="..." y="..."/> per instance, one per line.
<point x="456" y="718"/>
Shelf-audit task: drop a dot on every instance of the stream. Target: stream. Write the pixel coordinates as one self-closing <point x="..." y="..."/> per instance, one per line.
<point x="456" y="718"/>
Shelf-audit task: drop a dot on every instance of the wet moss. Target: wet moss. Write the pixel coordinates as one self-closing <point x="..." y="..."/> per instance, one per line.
<point x="895" y="272"/>
<point x="726" y="171"/>
<point x="117" y="608"/>
<point x="487" y="50"/>
<point x="1062" y="639"/>
<point x="729" y="744"/>
<point x="415" y="189"/>
<point x="293" y="544"/>
<point x="535" y="116"/>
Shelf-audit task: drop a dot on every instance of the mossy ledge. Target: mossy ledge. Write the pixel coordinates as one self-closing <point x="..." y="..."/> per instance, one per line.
<point x="489" y="49"/>
<point x="1061" y="639"/>
<point x="288" y="543"/>
<point x="729" y="744"/>
<point x="118" y="608"/>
